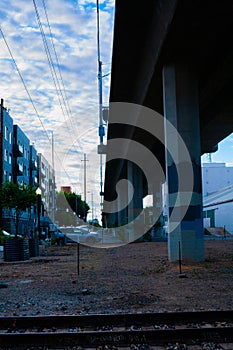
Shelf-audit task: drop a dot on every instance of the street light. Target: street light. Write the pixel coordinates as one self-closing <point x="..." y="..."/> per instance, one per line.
<point x="38" y="193"/>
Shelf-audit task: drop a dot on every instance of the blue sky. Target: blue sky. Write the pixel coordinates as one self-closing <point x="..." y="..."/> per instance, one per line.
<point x="224" y="153"/>
<point x="74" y="124"/>
<point x="74" y="119"/>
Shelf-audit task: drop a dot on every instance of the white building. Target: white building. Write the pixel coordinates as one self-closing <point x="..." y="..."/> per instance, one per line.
<point x="218" y="209"/>
<point x="215" y="176"/>
<point x="46" y="183"/>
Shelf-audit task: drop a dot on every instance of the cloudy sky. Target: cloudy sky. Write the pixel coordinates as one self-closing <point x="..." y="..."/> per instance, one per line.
<point x="52" y="46"/>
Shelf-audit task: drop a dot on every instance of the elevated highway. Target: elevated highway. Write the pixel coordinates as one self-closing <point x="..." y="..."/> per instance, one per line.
<point x="176" y="58"/>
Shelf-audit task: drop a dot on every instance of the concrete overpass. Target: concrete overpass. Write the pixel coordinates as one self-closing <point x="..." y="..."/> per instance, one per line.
<point x="175" y="57"/>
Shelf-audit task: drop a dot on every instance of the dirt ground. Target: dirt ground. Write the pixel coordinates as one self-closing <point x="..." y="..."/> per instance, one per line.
<point x="133" y="278"/>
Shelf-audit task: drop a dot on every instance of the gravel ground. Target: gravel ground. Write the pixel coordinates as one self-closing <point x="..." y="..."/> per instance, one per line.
<point x="133" y="278"/>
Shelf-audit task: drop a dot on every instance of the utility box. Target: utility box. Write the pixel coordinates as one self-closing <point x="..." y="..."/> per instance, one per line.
<point x="102" y="149"/>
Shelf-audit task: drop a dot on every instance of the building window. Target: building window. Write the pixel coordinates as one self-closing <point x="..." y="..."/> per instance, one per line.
<point x="6" y="133"/>
<point x="6" y="175"/>
<point x="5" y="155"/>
<point x="20" y="148"/>
<point x="10" y="138"/>
<point x="21" y="167"/>
<point x="10" y="158"/>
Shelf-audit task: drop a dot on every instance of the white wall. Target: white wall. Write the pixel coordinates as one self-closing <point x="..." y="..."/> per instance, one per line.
<point x="215" y="176"/>
<point x="224" y="216"/>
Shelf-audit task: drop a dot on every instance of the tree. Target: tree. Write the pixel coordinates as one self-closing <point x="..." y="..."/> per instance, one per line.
<point x="18" y="198"/>
<point x="67" y="205"/>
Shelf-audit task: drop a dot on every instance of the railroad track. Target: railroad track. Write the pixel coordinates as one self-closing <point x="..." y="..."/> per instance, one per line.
<point x="116" y="330"/>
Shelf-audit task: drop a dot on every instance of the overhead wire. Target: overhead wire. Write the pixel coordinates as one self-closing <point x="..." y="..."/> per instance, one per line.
<point x="62" y="96"/>
<point x="24" y="84"/>
<point x="57" y="61"/>
<point x="29" y="95"/>
<point x="49" y="57"/>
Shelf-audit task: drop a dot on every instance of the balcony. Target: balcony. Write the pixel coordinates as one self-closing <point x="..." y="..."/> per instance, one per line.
<point x="17" y="151"/>
<point x="33" y="165"/>
<point x="17" y="170"/>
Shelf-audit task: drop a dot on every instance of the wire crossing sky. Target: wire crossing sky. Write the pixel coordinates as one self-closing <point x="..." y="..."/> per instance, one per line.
<point x="49" y="77"/>
<point x="53" y="45"/>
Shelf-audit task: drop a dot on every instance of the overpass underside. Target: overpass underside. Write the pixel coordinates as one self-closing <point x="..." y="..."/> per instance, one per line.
<point x="175" y="59"/>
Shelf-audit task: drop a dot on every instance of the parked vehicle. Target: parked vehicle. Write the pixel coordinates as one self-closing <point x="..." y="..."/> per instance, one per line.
<point x="81" y="234"/>
<point x="59" y="237"/>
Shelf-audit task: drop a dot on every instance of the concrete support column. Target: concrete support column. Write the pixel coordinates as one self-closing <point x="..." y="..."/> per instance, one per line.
<point x="158" y="209"/>
<point x="181" y="108"/>
<point x="157" y="198"/>
<point x="136" y="205"/>
<point x="123" y="202"/>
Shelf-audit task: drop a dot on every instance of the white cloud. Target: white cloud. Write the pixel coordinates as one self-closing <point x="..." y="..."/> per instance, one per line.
<point x="73" y="25"/>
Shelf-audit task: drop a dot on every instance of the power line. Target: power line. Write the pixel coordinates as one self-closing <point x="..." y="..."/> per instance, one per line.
<point x="62" y="96"/>
<point x="58" y="65"/>
<point x="29" y="95"/>
<point x="49" y="57"/>
<point x="24" y="84"/>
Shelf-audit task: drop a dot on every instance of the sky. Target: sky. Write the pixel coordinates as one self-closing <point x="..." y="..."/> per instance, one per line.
<point x="224" y="153"/>
<point x="63" y="98"/>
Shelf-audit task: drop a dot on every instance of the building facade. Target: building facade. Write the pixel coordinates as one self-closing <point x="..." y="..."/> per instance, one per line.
<point x="46" y="178"/>
<point x="21" y="154"/>
<point x="215" y="176"/>
<point x="7" y="142"/>
<point x="218" y="209"/>
<point x="217" y="185"/>
<point x="21" y="163"/>
<point x="33" y="167"/>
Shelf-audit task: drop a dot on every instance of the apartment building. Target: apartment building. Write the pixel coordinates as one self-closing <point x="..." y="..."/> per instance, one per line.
<point x="7" y="143"/>
<point x="21" y="154"/>
<point x="33" y="167"/>
<point x="46" y="178"/>
<point x="21" y="163"/>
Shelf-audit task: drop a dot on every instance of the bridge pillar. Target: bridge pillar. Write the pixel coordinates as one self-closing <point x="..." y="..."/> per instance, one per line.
<point x="181" y="108"/>
<point x="157" y="209"/>
<point x="136" y="205"/>
<point x="122" y="215"/>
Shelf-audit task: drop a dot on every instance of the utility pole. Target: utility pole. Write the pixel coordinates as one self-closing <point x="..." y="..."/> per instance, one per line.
<point x="53" y="181"/>
<point x="101" y="148"/>
<point x="1" y="152"/>
<point x="85" y="183"/>
<point x="92" y="207"/>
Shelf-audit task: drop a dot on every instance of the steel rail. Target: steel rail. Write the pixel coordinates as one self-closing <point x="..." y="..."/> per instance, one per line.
<point x="126" y="320"/>
<point x="118" y="338"/>
<point x="117" y="329"/>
